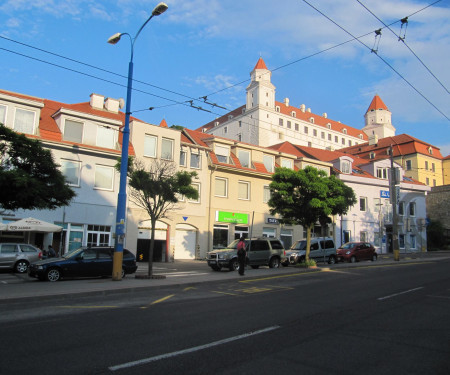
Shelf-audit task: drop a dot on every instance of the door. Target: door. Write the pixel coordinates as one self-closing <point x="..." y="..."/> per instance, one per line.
<point x="185" y="241"/>
<point x="8" y="255"/>
<point x="259" y="252"/>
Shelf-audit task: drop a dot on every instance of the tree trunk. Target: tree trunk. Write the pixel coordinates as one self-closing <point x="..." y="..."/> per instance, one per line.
<point x="308" y="242"/>
<point x="152" y="246"/>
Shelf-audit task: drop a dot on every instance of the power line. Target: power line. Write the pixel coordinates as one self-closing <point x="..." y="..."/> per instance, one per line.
<point x="389" y="65"/>
<point x="403" y="40"/>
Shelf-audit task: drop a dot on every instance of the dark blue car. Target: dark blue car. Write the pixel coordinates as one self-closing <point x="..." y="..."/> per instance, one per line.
<point x="82" y="262"/>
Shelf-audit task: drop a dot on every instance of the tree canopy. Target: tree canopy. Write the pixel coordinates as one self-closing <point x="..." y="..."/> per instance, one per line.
<point x="29" y="177"/>
<point x="307" y="196"/>
<point x="156" y="188"/>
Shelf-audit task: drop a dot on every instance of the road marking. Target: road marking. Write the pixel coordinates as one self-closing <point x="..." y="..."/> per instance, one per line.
<point x="158" y="301"/>
<point x="188" y="288"/>
<point x="278" y="277"/>
<point x="229" y="294"/>
<point x="398" y="294"/>
<point x="191" y="350"/>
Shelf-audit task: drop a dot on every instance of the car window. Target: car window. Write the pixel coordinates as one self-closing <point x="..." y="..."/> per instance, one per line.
<point x="299" y="245"/>
<point x="8" y="249"/>
<point x="329" y="244"/>
<point x="27" y="249"/>
<point x="89" y="254"/>
<point x="260" y="245"/>
<point x="276" y="245"/>
<point x="314" y="246"/>
<point x="104" y="254"/>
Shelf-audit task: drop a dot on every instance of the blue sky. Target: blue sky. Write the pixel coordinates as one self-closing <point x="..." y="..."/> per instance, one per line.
<point x="201" y="47"/>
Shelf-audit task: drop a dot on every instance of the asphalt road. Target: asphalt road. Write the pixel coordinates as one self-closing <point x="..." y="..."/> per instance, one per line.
<point x="369" y="319"/>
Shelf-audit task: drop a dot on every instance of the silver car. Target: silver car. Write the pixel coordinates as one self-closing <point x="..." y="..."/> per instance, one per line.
<point x="18" y="256"/>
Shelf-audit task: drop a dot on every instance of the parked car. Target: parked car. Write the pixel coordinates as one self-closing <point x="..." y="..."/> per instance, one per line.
<point x="260" y="251"/>
<point x="321" y="249"/>
<point x="356" y="251"/>
<point x="18" y="256"/>
<point x="82" y="262"/>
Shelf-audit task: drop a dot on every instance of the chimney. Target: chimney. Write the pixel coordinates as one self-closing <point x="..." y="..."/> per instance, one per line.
<point x="112" y="105"/>
<point x="97" y="101"/>
<point x="308" y="110"/>
<point x="325" y="115"/>
<point x="302" y="108"/>
<point x="373" y="139"/>
<point x="286" y="102"/>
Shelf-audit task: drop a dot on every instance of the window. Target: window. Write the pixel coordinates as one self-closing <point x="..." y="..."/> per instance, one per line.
<point x="305" y="130"/>
<point x="24" y="121"/>
<point x="71" y="171"/>
<point x="105" y="137"/>
<point x="296" y="127"/>
<point x="322" y="135"/>
<point x="315" y="132"/>
<point x="401" y="208"/>
<point x="426" y="165"/>
<point x="183" y="158"/>
<point x="408" y="165"/>
<point x="150" y="142"/>
<point x="336" y="139"/>
<point x="430" y="151"/>
<point x="362" y="204"/>
<point x="329" y="137"/>
<point x="73" y="131"/>
<point x="244" y="158"/>
<point x="434" y="182"/>
<point x="104" y="177"/>
<point x="288" y="124"/>
<point x="244" y="190"/>
<point x="286" y="163"/>
<point x="269" y="163"/>
<point x="433" y="167"/>
<point x="376" y="239"/>
<point x="412" y="241"/>
<point x="427" y="181"/>
<point x="382" y="173"/>
<point x="195" y="160"/>
<point x="401" y="241"/>
<point x="345" y="166"/>
<point x="343" y="141"/>
<point x="220" y="236"/>
<point x="221" y="187"/>
<point x="266" y="194"/>
<point x="2" y="114"/>
<point x="196" y="186"/>
<point x="349" y="142"/>
<point x="363" y="236"/>
<point x="412" y="209"/>
<point x="280" y="121"/>
<point x="286" y="237"/>
<point x="269" y="232"/>
<point x="99" y="235"/>
<point x="240" y="231"/>
<point x="311" y="120"/>
<point x="225" y="130"/>
<point x="222" y="153"/>
<point x="167" y="149"/>
<point x="344" y="131"/>
<point x="240" y="124"/>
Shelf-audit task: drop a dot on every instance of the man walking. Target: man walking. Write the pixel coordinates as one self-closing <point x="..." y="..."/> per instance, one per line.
<point x="241" y="253"/>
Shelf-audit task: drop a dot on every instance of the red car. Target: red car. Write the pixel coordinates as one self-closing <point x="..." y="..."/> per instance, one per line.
<point x="356" y="251"/>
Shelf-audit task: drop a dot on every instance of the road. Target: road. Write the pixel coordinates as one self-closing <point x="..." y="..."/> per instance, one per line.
<point x="369" y="319"/>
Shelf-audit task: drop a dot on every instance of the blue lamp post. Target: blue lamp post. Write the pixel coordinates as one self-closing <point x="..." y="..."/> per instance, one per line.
<point x="122" y="197"/>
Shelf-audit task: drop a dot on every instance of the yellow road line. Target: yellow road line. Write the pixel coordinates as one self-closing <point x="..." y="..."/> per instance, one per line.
<point x="158" y="301"/>
<point x="230" y="294"/>
<point x="278" y="277"/>
<point x="188" y="288"/>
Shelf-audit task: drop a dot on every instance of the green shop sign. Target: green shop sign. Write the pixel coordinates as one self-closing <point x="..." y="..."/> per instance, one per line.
<point x="231" y="217"/>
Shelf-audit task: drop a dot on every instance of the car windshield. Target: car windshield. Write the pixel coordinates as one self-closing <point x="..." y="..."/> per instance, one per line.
<point x="73" y="253"/>
<point x="299" y="245"/>
<point x="348" y="245"/>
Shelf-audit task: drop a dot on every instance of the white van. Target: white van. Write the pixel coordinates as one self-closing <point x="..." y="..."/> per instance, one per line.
<point x="322" y="249"/>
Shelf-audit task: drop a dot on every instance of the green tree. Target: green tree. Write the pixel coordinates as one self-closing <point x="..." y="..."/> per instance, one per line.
<point x="156" y="188"/>
<point x="306" y="196"/>
<point x="29" y="177"/>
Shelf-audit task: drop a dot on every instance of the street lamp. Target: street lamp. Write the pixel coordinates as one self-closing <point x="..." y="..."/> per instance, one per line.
<point x="122" y="197"/>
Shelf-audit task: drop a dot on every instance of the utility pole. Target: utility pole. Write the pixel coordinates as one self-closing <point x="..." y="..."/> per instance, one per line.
<point x="394" y="202"/>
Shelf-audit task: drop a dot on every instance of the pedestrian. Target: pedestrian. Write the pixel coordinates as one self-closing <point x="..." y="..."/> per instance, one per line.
<point x="51" y="252"/>
<point x="241" y="253"/>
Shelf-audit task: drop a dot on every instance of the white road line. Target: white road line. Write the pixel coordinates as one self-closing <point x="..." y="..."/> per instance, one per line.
<point x="397" y="294"/>
<point x="190" y="350"/>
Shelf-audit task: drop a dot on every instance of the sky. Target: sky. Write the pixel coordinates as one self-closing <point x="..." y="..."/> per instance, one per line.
<point x="322" y="53"/>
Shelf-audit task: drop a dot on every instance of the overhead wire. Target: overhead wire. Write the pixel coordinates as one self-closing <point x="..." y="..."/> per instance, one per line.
<point x="389" y="65"/>
<point x="402" y="39"/>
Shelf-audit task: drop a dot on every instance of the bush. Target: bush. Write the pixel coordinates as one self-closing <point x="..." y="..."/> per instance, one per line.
<point x="308" y="263"/>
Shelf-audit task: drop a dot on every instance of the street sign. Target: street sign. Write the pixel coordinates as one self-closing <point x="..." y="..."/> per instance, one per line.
<point x="385" y="194"/>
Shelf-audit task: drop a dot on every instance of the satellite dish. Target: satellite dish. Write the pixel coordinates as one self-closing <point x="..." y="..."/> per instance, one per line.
<point x="121" y="103"/>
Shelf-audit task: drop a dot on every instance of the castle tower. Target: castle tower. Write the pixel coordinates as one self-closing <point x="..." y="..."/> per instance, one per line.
<point x="260" y="91"/>
<point x="378" y="120"/>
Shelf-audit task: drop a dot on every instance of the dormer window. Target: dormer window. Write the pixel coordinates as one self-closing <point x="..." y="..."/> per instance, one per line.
<point x="230" y="117"/>
<point x="287" y="163"/>
<point x="360" y="136"/>
<point x="329" y="126"/>
<point x="372" y="155"/>
<point x="294" y="114"/>
<point x="344" y="131"/>
<point x="277" y="108"/>
<point x="24" y="121"/>
<point x="222" y="153"/>
<point x="345" y="166"/>
<point x="244" y="158"/>
<point x="430" y="150"/>
<point x="311" y="120"/>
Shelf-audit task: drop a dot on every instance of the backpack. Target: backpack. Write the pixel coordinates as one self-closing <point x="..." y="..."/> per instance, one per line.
<point x="241" y="248"/>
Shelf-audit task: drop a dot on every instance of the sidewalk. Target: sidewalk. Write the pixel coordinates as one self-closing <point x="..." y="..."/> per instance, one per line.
<point x="21" y="288"/>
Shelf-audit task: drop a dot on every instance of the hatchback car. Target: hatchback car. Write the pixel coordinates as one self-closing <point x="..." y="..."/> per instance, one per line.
<point x="356" y="251"/>
<point x="18" y="256"/>
<point x="82" y="262"/>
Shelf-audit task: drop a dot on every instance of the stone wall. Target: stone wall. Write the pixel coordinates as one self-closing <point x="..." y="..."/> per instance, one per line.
<point x="438" y="204"/>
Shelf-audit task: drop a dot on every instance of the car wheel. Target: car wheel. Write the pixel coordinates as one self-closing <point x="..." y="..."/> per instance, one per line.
<point x="331" y="259"/>
<point x="274" y="263"/>
<point x="352" y="259"/>
<point x="234" y="265"/>
<point x="123" y="273"/>
<point x="374" y="257"/>
<point x="21" y="266"/>
<point x="255" y="267"/>
<point x="53" y="274"/>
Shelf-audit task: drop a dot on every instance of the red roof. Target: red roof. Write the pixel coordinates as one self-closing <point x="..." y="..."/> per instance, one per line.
<point x="377" y="103"/>
<point x="260" y="64"/>
<point x="163" y="124"/>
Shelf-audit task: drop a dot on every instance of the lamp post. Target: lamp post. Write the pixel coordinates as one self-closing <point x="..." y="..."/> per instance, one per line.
<point x="122" y="197"/>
